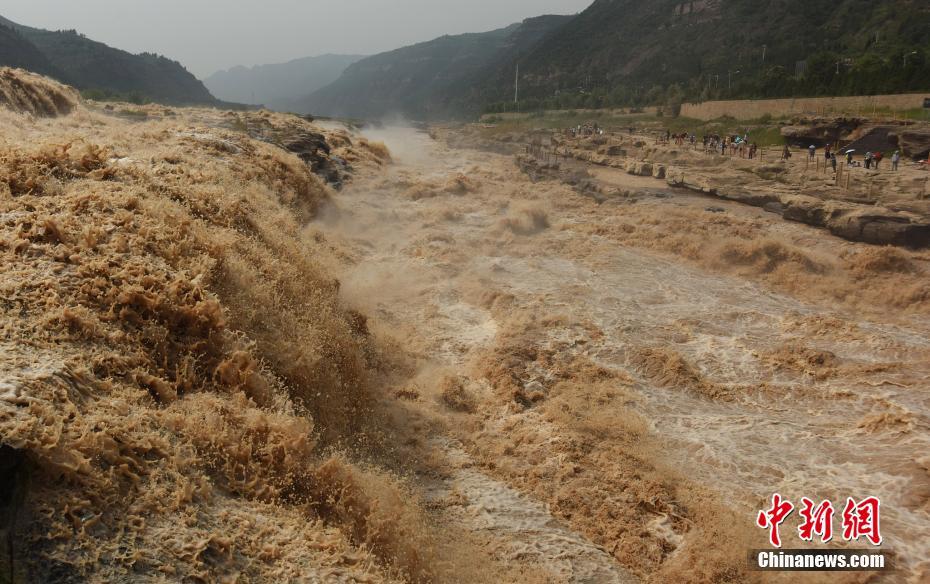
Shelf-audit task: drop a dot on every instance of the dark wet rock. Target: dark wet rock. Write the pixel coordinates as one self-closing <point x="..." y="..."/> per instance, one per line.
<point x="860" y="134"/>
<point x="307" y="145"/>
<point x="864" y="223"/>
<point x="877" y="139"/>
<point x="776" y="208"/>
<point x="820" y="131"/>
<point x="311" y="147"/>
<point x="880" y="226"/>
<point x="858" y="222"/>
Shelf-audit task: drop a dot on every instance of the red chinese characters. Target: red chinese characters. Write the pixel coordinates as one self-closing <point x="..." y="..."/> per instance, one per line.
<point x="817" y="521"/>
<point x="862" y="520"/>
<point x="774" y="517"/>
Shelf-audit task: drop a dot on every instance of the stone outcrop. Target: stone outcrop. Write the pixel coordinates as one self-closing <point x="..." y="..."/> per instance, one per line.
<point x="879" y="226"/>
<point x="877" y="139"/>
<point x="774" y="189"/>
<point x="914" y="143"/>
<point x="847" y="220"/>
<point x="678" y="178"/>
<point x="861" y="135"/>
<point x="638" y="168"/>
<point x="804" y="209"/>
<point x="538" y="170"/>
<point x="312" y="148"/>
<point x="820" y="131"/>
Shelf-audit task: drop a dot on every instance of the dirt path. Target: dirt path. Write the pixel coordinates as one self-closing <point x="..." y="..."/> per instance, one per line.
<point x="612" y="411"/>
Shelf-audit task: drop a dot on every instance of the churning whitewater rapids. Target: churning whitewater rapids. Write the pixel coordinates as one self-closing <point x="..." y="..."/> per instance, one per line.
<point x="589" y="388"/>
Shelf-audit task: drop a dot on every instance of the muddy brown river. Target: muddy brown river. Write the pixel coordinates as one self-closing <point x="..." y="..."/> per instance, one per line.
<point x="615" y="390"/>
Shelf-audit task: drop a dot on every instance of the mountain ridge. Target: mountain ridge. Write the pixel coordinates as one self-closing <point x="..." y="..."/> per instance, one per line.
<point x="17" y="51"/>
<point x="427" y="80"/>
<point x="102" y="71"/>
<point x="620" y="53"/>
<point x="278" y="85"/>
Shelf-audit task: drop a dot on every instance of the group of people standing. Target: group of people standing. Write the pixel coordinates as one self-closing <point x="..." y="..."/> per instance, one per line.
<point x="590" y="129"/>
<point x="872" y="160"/>
<point x="680" y="139"/>
<point x="828" y="154"/>
<point x="735" y="145"/>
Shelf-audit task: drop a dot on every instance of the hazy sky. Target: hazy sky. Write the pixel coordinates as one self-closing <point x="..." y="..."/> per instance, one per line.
<point x="208" y="35"/>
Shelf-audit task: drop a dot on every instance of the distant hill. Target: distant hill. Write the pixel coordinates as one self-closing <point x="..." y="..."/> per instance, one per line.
<point x="17" y="51"/>
<point x="627" y="51"/>
<point x="434" y="79"/>
<point x="100" y="70"/>
<point x="278" y="86"/>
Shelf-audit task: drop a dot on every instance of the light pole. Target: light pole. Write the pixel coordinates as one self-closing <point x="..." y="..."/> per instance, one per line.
<point x="764" y="47"/>
<point x="516" y="86"/>
<point x="730" y="75"/>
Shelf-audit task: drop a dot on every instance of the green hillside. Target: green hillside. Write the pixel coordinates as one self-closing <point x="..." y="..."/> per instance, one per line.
<point x="102" y="71"/>
<point x="626" y="52"/>
<point x="468" y="93"/>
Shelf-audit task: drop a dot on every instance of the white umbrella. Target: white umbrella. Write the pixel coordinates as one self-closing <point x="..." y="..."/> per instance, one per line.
<point x="850" y="151"/>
